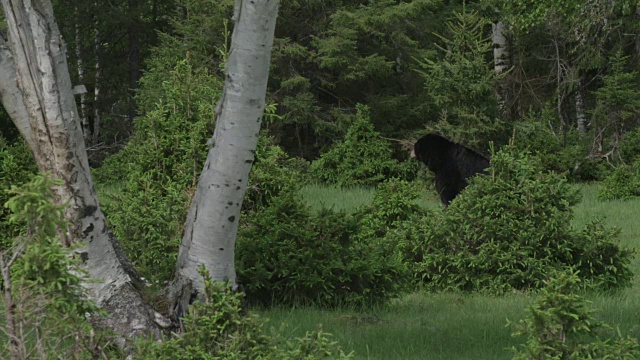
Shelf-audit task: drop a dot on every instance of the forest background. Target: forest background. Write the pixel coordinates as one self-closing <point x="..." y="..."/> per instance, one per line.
<point x="352" y="85"/>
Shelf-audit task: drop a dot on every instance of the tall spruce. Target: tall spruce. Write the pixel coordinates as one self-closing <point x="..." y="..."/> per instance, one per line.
<point x="460" y="82"/>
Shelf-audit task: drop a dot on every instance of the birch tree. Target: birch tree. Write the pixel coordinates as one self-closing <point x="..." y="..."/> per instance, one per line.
<point x="212" y="222"/>
<point x="501" y="63"/>
<point x="36" y="91"/>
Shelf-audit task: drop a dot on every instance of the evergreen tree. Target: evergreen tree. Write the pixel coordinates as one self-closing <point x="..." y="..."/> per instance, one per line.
<point x="618" y="100"/>
<point x="460" y="82"/>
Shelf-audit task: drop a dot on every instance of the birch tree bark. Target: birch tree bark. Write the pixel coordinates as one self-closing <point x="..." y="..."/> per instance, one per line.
<point x="212" y="222"/>
<point x="502" y="63"/>
<point x="41" y="104"/>
<point x="11" y="96"/>
<point x="581" y="117"/>
<point x="97" y="44"/>
<point x="84" y="116"/>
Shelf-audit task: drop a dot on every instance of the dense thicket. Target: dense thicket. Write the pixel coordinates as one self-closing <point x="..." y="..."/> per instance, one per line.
<point x="414" y="63"/>
<point x="511" y="229"/>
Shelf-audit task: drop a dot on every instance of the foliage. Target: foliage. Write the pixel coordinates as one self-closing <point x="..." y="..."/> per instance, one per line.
<point x="286" y="254"/>
<point x="630" y="146"/>
<point x="273" y="172"/>
<point x="16" y="168"/>
<point x="565" y="154"/>
<point x="49" y="303"/>
<point x="561" y="325"/>
<point x="330" y="55"/>
<point x="158" y="168"/>
<point x="618" y="100"/>
<point x="172" y="137"/>
<point x="530" y="13"/>
<point x="509" y="230"/>
<point x="199" y="36"/>
<point x="219" y="328"/>
<point x="461" y="83"/>
<point x="393" y="203"/>
<point x="147" y="215"/>
<point x="623" y="183"/>
<point x="361" y="158"/>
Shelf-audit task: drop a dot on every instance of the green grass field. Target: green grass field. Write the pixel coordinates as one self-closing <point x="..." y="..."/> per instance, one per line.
<point x="455" y="326"/>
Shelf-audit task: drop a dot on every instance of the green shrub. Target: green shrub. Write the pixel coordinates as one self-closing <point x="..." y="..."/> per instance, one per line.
<point x="171" y="137"/>
<point x="148" y="216"/>
<point x="48" y="301"/>
<point x="393" y="203"/>
<point x="218" y="328"/>
<point x="273" y="172"/>
<point x="286" y="254"/>
<point x="630" y="146"/>
<point x="623" y="183"/>
<point x="361" y="158"/>
<point x="561" y="325"/>
<point x="509" y="230"/>
<point x="159" y="168"/>
<point x="567" y="156"/>
<point x="16" y="168"/>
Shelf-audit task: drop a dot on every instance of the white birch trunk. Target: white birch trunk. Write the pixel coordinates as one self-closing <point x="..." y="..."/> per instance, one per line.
<point x="501" y="61"/>
<point x="11" y="96"/>
<point x="212" y="222"/>
<point x="58" y="147"/>
<point x="84" y="116"/>
<point x="98" y="78"/>
<point x="581" y="117"/>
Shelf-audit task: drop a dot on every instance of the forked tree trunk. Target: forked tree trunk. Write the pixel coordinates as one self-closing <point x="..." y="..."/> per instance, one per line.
<point x="42" y="86"/>
<point x="212" y="222"/>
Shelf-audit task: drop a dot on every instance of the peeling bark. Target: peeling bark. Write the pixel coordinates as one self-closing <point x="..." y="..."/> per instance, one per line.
<point x="39" y="61"/>
<point x="11" y="96"/>
<point x="212" y="222"/>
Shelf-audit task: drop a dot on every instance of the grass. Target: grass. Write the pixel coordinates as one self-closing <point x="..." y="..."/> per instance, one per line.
<point x="452" y="325"/>
<point x="328" y="196"/>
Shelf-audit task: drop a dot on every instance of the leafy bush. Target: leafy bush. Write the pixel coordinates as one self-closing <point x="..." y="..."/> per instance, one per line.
<point x="623" y="183"/>
<point x="159" y="167"/>
<point x="567" y="156"/>
<point x="218" y="328"/>
<point x="148" y="216"/>
<point x="618" y="99"/>
<point x="560" y="325"/>
<point x="509" y="230"/>
<point x="361" y="158"/>
<point x="273" y="172"/>
<point x="630" y="146"/>
<point x="45" y="307"/>
<point x="171" y="137"/>
<point x="288" y="255"/>
<point x="393" y="203"/>
<point x="16" y="168"/>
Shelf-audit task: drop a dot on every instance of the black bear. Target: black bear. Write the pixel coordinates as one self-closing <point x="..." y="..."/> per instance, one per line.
<point x="452" y="164"/>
